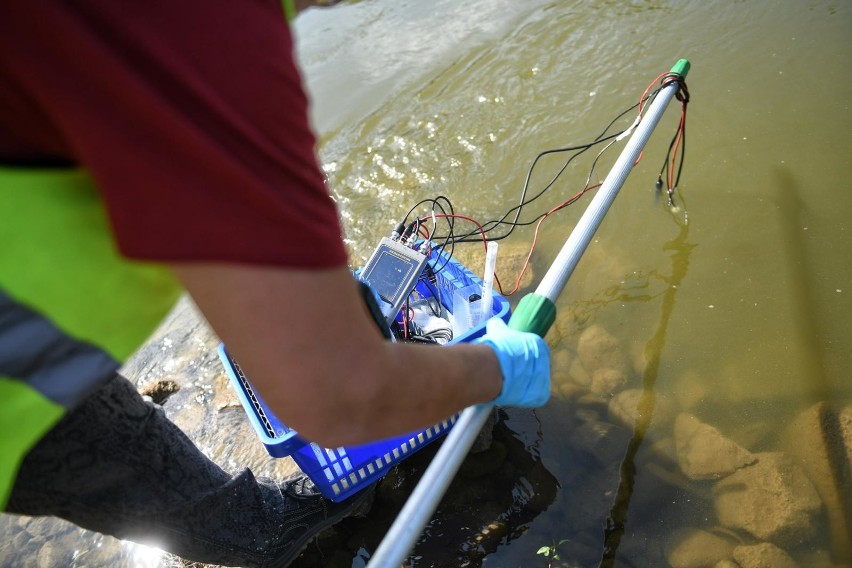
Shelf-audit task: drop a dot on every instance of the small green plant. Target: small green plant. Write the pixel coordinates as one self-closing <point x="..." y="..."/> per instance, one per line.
<point x="550" y="551"/>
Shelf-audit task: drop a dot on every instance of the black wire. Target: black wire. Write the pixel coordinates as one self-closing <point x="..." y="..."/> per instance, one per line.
<point x="450" y="240"/>
<point x="682" y="149"/>
<point x="580" y="149"/>
<point x="683" y="96"/>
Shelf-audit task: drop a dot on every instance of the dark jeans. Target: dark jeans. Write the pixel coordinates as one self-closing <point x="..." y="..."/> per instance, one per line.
<point x="118" y="466"/>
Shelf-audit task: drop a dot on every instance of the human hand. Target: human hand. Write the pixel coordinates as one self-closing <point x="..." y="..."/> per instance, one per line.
<point x="524" y="361"/>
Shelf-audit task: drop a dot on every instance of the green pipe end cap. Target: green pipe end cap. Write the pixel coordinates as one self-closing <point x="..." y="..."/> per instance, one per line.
<point x="681" y="67"/>
<point x="535" y="313"/>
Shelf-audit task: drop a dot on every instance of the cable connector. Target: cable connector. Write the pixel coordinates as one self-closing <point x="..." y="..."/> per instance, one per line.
<point x="409" y="235"/>
<point x="397" y="231"/>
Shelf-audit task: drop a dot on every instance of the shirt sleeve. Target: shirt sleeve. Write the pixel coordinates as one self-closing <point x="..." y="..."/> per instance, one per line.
<point x="192" y="118"/>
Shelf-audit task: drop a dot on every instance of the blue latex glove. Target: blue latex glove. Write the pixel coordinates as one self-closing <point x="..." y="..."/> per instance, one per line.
<point x="525" y="362"/>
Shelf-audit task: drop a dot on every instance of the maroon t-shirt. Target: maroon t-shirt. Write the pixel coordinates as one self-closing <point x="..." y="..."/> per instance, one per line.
<point x="190" y="115"/>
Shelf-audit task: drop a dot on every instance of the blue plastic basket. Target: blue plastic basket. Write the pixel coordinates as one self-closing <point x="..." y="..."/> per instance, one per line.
<point x="341" y="472"/>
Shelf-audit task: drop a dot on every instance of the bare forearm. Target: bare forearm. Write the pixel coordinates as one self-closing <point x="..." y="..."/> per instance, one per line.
<point x="308" y="344"/>
<point x="419" y="385"/>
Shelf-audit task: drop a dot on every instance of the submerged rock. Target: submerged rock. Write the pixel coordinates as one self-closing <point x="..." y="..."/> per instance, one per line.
<point x="624" y="407"/>
<point x="606" y="382"/>
<point x="579" y="373"/>
<point x="820" y="442"/>
<point x="696" y="548"/>
<point x="704" y="453"/>
<point x="773" y="500"/>
<point x="763" y="555"/>
<point x="599" y="349"/>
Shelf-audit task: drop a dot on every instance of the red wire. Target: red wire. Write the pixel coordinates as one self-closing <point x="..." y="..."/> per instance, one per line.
<point x="650" y="86"/>
<point x="425" y="232"/>
<point x="680" y="130"/>
<point x="562" y="205"/>
<point x="520" y="278"/>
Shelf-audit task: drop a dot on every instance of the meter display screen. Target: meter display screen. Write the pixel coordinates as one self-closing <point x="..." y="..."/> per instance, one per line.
<point x="389" y="275"/>
<point x="392" y="272"/>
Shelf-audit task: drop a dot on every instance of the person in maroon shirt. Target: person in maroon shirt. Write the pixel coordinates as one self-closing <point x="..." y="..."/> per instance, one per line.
<point x="192" y="121"/>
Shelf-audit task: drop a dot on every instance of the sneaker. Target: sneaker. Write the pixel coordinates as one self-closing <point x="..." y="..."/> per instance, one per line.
<point x="308" y="513"/>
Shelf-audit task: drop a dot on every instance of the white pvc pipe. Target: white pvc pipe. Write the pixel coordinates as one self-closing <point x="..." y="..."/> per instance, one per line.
<point x="563" y="266"/>
<point x="415" y="514"/>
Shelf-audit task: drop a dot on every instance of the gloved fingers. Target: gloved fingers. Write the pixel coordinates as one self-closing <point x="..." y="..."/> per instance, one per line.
<point x="524" y="362"/>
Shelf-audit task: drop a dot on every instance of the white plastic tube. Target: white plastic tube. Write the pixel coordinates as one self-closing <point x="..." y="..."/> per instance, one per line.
<point x="488" y="281"/>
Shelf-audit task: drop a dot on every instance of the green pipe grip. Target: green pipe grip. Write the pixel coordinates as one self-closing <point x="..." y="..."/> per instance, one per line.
<point x="535" y="313"/>
<point x="681" y="67"/>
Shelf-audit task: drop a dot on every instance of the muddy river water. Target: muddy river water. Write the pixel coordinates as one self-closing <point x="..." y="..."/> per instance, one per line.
<point x="702" y="408"/>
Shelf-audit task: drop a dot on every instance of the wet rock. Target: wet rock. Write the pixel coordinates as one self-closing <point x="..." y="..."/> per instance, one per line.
<point x="624" y="407"/>
<point x="570" y="391"/>
<point x="393" y="489"/>
<point x="599" y="349"/>
<point x="48" y="556"/>
<point x="560" y="363"/>
<point x="764" y="555"/>
<point x="483" y="463"/>
<point x="21" y="540"/>
<point x="579" y="374"/>
<point x="726" y="564"/>
<point x="696" y="548"/>
<point x="486" y="435"/>
<point x="606" y="382"/>
<point x="820" y="441"/>
<point x="703" y="452"/>
<point x="160" y="390"/>
<point x="592" y="400"/>
<point x="772" y="499"/>
<point x="511" y="257"/>
<point x="636" y="349"/>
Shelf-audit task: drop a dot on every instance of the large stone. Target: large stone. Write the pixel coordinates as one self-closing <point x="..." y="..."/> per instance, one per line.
<point x="629" y="405"/>
<point x="772" y="499"/>
<point x="763" y="555"/>
<point x="599" y="349"/>
<point x="579" y="374"/>
<point x="703" y="452"/>
<point x="560" y="364"/>
<point x="820" y="441"/>
<point x="696" y="548"/>
<point x="511" y="258"/>
<point x="606" y="382"/>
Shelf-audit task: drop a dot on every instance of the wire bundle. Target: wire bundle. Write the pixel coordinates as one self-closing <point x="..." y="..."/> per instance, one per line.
<point x="425" y="228"/>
